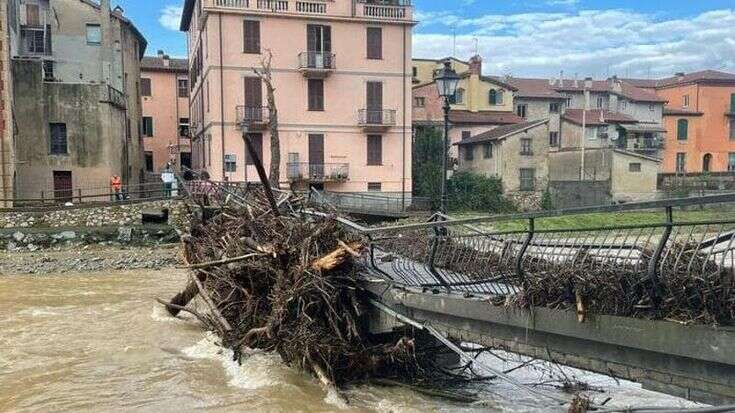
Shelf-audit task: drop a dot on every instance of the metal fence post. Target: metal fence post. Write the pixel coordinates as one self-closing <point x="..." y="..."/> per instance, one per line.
<point x="524" y="247"/>
<point x="653" y="269"/>
<point x="79" y="194"/>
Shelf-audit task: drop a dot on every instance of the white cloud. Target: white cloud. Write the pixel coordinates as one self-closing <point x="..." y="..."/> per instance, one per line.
<point x="589" y="42"/>
<point x="171" y="17"/>
<point x="562" y="2"/>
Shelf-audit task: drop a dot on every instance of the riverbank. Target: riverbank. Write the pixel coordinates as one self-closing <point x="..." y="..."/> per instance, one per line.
<point x="89" y="258"/>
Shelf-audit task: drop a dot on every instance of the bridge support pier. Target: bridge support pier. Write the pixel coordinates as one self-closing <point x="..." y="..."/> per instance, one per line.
<point x="695" y="362"/>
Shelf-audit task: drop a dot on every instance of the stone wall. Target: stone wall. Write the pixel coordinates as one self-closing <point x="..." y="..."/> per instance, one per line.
<point x="109" y="215"/>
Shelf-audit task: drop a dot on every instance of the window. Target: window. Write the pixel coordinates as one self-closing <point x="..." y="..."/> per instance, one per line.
<point x="527" y="179"/>
<point x="415" y="71"/>
<point x="521" y="110"/>
<point x="685" y="101"/>
<point x="458" y="97"/>
<point x="731" y="162"/>
<point x="251" y="36"/>
<point x="58" y="139"/>
<point x="651" y="107"/>
<point x="487" y="150"/>
<point x="419" y="101"/>
<point x="375" y="186"/>
<point x="600" y="102"/>
<point x="149" y="161"/>
<point x="682" y="129"/>
<point x="526" y="146"/>
<point x="184" y="127"/>
<point x="145" y="87"/>
<point x="553" y="138"/>
<point x="732" y="103"/>
<point x="147" y="126"/>
<point x="469" y="152"/>
<point x="94" y="34"/>
<point x="48" y="70"/>
<point x="706" y="161"/>
<point x="34" y="40"/>
<point x="554" y="107"/>
<point x="230" y="162"/>
<point x="316" y="94"/>
<point x="183" y="86"/>
<point x="466" y="134"/>
<point x="732" y="129"/>
<point x="256" y="139"/>
<point x="623" y="105"/>
<point x="681" y="162"/>
<point x="634" y="167"/>
<point x="493" y="97"/>
<point x="374" y="150"/>
<point x="374" y="43"/>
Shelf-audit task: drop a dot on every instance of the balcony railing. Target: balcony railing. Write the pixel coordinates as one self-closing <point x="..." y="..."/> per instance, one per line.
<point x="311" y="7"/>
<point x="232" y="4"/>
<point x="385" y="9"/>
<point x="376" y="118"/>
<point x="327" y="172"/>
<point x="114" y="97"/>
<point x="319" y="63"/>
<point x="254" y="117"/>
<point x="272" y="5"/>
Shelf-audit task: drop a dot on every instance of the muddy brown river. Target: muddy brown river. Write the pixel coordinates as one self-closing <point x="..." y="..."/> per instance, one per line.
<point x="99" y="342"/>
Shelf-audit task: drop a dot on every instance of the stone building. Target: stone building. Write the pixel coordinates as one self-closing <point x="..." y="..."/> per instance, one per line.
<point x="7" y="164"/>
<point x="77" y="110"/>
<point x="165" y="94"/>
<point x="342" y="77"/>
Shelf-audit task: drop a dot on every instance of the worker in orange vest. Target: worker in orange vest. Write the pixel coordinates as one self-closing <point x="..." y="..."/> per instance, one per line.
<point x="116" y="185"/>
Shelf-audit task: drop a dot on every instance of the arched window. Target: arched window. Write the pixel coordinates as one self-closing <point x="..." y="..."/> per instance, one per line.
<point x="493" y="97"/>
<point x="682" y="129"/>
<point x="706" y="161"/>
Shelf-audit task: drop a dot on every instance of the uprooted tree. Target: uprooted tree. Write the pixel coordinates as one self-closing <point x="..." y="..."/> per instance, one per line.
<point x="264" y="72"/>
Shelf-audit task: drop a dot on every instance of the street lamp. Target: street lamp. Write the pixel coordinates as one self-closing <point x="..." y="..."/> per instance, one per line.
<point x="446" y="82"/>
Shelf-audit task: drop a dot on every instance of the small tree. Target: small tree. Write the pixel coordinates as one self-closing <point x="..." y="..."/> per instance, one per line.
<point x="265" y="74"/>
<point x="547" y="203"/>
<point x="427" y="161"/>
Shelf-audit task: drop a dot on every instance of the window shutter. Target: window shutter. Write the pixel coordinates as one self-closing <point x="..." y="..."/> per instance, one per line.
<point x="316" y="94"/>
<point x="251" y="34"/>
<point x="253" y="92"/>
<point x="682" y="129"/>
<point x="375" y="150"/>
<point x="732" y="103"/>
<point x="257" y="140"/>
<point x="374" y="42"/>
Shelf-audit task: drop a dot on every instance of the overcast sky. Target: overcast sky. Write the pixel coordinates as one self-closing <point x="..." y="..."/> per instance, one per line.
<point x="643" y="38"/>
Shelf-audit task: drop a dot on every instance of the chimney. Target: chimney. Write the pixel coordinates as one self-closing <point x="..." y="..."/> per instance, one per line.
<point x="552" y="81"/>
<point x="576" y="82"/>
<point x="588" y="83"/>
<point x="476" y="65"/>
<point x="166" y="60"/>
<point x="587" y="87"/>
<point x="680" y="76"/>
<point x="561" y="78"/>
<point x="160" y="54"/>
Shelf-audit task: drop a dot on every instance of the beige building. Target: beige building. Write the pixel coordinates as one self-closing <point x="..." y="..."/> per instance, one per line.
<point x="425" y="69"/>
<point x="7" y="163"/>
<point x="164" y="85"/>
<point x="76" y="66"/>
<point x="342" y="77"/>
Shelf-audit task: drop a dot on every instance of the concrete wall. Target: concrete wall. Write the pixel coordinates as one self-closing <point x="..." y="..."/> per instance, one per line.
<point x="344" y="94"/>
<point x="7" y="167"/>
<point x="565" y="165"/>
<point x="166" y="108"/>
<point x="629" y="185"/>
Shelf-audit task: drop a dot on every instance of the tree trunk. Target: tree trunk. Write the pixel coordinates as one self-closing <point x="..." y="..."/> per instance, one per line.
<point x="264" y="72"/>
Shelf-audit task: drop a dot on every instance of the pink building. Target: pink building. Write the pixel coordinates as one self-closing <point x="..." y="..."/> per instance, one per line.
<point x="164" y="89"/>
<point x="342" y="74"/>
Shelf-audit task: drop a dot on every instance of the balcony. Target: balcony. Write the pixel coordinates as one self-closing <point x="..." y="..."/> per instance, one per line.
<point x="316" y="64"/>
<point x="114" y="97"/>
<point x="384" y="9"/>
<point x="275" y="6"/>
<point x="254" y="117"/>
<point x="376" y="120"/>
<point x="328" y="172"/>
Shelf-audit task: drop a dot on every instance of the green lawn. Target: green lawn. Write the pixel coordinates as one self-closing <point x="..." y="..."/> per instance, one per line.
<point x="602" y="219"/>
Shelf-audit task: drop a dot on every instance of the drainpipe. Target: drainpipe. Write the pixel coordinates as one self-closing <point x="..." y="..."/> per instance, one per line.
<point x="403" y="133"/>
<point x="221" y="97"/>
<point x="176" y="123"/>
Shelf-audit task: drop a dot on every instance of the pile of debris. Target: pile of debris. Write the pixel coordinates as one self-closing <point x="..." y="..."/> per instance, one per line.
<point x="283" y="280"/>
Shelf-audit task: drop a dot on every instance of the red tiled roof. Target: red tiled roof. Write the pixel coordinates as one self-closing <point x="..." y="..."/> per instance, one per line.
<point x="702" y="76"/>
<point x="501" y="132"/>
<point x="596" y="117"/>
<point x="155" y="63"/>
<point x="543" y="89"/>
<point x="533" y="88"/>
<point x="488" y="117"/>
<point x="672" y="111"/>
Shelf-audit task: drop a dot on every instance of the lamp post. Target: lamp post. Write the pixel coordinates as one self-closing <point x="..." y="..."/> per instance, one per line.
<point x="446" y="82"/>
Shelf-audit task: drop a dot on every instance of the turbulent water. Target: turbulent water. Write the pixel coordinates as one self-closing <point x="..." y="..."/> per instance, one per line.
<point x="100" y="342"/>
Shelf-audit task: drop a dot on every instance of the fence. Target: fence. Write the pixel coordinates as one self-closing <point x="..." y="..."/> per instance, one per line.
<point x="370" y="204"/>
<point x="671" y="262"/>
<point x="94" y="194"/>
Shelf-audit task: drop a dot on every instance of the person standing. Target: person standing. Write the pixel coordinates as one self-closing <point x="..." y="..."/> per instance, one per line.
<point x="167" y="176"/>
<point x="116" y="186"/>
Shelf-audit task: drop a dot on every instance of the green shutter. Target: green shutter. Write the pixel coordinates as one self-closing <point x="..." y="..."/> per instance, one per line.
<point x="732" y="103"/>
<point x="682" y="129"/>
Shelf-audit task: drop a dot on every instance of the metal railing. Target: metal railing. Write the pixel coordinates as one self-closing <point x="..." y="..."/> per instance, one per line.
<point x="662" y="260"/>
<point x="115" y="97"/>
<point x="317" y="60"/>
<point x="252" y="115"/>
<point x="327" y="172"/>
<point x="381" y="117"/>
<point x="93" y="195"/>
<point x="370" y="204"/>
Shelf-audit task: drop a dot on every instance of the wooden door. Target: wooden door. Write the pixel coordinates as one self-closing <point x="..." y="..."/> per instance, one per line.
<point x="375" y="103"/>
<point x="316" y="156"/>
<point x="318" y="46"/>
<point x="253" y="99"/>
<point x="62" y="186"/>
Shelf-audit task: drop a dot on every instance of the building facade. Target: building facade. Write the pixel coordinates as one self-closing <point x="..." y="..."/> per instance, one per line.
<point x="76" y="70"/>
<point x="700" y="122"/>
<point x="165" y="97"/>
<point x="342" y="92"/>
<point x="7" y="163"/>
